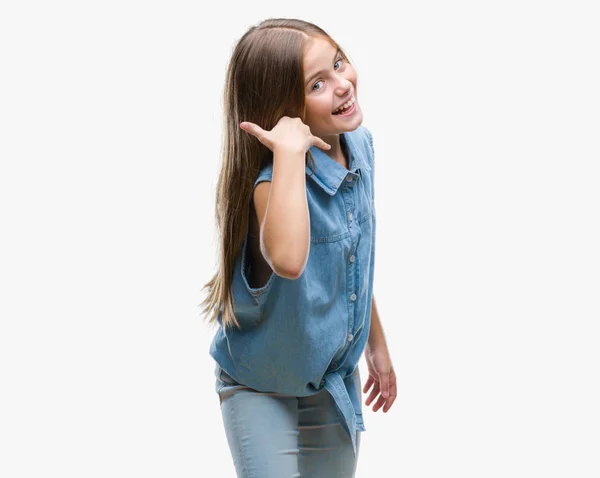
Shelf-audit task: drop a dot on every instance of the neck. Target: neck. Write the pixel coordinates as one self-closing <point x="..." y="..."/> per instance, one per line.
<point x="336" y="152"/>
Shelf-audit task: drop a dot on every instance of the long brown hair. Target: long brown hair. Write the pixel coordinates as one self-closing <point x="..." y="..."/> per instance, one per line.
<point x="264" y="81"/>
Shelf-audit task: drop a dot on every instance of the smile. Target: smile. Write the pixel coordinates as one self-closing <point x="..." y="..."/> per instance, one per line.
<point x="349" y="112"/>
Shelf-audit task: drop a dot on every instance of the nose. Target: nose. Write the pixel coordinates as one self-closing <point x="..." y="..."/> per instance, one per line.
<point x="344" y="86"/>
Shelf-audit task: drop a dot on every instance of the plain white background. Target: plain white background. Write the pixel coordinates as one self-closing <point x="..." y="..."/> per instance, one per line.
<point x="485" y="117"/>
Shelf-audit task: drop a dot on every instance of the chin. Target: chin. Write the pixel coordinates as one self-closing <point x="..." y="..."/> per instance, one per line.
<point x="337" y="127"/>
<point x="354" y="123"/>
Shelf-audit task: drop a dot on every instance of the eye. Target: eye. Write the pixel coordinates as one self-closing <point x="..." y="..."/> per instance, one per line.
<point x="340" y="59"/>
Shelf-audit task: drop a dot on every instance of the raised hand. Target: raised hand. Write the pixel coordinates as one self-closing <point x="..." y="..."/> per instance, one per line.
<point x="289" y="134"/>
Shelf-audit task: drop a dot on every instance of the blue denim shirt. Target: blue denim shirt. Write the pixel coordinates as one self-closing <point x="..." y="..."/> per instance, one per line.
<point x="300" y="336"/>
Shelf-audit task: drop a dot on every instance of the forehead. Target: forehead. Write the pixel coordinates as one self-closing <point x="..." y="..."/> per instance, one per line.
<point x="318" y="53"/>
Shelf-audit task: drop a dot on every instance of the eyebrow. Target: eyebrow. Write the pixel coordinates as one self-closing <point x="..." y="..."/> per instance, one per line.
<point x="321" y="71"/>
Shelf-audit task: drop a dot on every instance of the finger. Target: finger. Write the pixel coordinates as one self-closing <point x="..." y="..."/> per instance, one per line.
<point x="393" y="394"/>
<point x="368" y="384"/>
<point x="380" y="402"/>
<point x="389" y="403"/>
<point x="253" y="129"/>
<point x="393" y="387"/>
<point x="384" y="379"/>
<point x="373" y="394"/>
<point x="371" y="397"/>
<point x="319" y="143"/>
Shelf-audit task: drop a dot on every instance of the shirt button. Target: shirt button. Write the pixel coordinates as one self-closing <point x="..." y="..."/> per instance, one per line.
<point x="350" y="216"/>
<point x="334" y="365"/>
<point x="349" y="178"/>
<point x="352" y="258"/>
<point x="322" y="382"/>
<point x="353" y="297"/>
<point x="350" y="337"/>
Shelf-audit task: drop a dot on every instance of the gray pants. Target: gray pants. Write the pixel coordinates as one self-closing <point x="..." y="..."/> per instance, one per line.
<point x="281" y="436"/>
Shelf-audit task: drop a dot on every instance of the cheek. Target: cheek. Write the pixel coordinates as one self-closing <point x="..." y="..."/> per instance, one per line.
<point x="316" y="108"/>
<point x="351" y="75"/>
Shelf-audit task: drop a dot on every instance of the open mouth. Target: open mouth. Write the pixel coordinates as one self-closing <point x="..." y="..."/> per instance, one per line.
<point x="347" y="111"/>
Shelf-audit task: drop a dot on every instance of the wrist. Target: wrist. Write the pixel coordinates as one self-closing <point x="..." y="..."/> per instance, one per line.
<point x="284" y="151"/>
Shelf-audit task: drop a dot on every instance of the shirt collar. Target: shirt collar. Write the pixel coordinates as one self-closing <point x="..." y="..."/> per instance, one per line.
<point x="328" y="173"/>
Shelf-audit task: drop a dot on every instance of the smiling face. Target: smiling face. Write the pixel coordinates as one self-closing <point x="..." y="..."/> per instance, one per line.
<point x="330" y="81"/>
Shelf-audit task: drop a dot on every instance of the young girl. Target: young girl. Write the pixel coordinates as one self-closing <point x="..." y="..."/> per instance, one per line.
<point x="293" y="296"/>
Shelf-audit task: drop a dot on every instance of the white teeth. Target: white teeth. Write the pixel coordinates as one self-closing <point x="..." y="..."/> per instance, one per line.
<point x="346" y="105"/>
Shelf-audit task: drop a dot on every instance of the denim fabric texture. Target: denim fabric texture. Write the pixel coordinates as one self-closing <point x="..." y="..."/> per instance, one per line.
<point x="301" y="336"/>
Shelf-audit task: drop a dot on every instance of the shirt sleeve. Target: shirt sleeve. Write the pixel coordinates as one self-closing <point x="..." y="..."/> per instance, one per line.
<point x="265" y="174"/>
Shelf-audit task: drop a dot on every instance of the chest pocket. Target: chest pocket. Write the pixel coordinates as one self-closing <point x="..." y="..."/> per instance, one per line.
<point x="327" y="216"/>
<point x="330" y="215"/>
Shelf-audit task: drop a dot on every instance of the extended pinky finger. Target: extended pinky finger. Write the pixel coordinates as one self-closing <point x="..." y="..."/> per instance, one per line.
<point x="319" y="143"/>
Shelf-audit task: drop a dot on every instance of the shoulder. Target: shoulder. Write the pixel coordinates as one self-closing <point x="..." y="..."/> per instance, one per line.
<point x="365" y="132"/>
<point x="262" y="188"/>
<point x="363" y="138"/>
<point x="265" y="172"/>
<point x="363" y="141"/>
